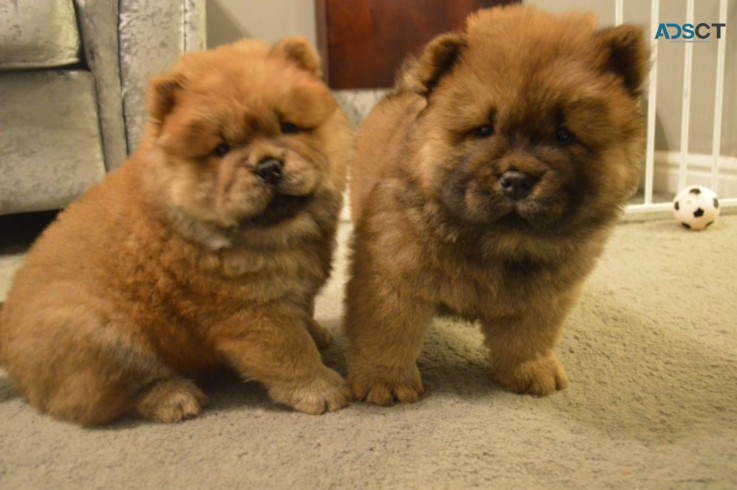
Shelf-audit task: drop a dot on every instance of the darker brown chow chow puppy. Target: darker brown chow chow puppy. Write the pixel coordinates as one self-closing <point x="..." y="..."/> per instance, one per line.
<point x="205" y="249"/>
<point x="485" y="187"/>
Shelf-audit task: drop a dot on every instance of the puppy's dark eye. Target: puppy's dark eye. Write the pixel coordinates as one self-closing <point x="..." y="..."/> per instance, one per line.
<point x="221" y="150"/>
<point x="484" y="131"/>
<point x="289" y="128"/>
<point x="564" y="136"/>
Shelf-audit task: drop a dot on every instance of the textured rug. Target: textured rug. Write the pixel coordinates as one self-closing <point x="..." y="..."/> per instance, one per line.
<point x="651" y="351"/>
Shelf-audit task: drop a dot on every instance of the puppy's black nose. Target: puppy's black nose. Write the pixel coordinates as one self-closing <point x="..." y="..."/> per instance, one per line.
<point x="516" y="185"/>
<point x="270" y="170"/>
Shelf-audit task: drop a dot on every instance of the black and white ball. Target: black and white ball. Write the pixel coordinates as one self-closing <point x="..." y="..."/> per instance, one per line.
<point x="696" y="207"/>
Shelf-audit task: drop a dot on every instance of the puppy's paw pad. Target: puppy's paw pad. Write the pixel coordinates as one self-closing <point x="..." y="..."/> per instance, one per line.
<point x="171" y="401"/>
<point x="326" y="393"/>
<point x="539" y="377"/>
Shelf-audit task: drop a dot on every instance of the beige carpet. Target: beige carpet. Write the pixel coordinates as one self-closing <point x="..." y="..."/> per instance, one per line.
<point x="651" y="352"/>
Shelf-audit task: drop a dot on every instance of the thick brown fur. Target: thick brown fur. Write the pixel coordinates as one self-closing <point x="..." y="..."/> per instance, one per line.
<point x="188" y="258"/>
<point x="525" y="92"/>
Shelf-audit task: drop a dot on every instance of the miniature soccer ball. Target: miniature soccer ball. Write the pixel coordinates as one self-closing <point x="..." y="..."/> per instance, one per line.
<point x="696" y="207"/>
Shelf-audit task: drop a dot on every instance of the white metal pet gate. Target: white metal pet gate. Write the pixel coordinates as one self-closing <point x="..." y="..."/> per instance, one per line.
<point x="712" y="167"/>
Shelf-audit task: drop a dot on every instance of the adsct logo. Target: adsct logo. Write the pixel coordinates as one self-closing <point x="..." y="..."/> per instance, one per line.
<point x="689" y="33"/>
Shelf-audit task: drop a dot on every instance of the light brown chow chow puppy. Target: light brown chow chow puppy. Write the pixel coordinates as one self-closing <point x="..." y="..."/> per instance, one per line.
<point x="485" y="187"/>
<point x="205" y="249"/>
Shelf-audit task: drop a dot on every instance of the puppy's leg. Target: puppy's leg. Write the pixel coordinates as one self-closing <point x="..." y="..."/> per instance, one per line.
<point x="100" y="393"/>
<point x="521" y="352"/>
<point x="79" y="367"/>
<point x="319" y="334"/>
<point x="385" y="330"/>
<point x="274" y="348"/>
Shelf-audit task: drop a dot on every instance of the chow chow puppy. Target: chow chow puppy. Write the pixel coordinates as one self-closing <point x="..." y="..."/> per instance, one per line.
<point x="205" y="249"/>
<point x="485" y="186"/>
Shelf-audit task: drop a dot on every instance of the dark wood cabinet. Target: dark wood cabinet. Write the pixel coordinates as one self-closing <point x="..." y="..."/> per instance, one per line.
<point x="363" y="42"/>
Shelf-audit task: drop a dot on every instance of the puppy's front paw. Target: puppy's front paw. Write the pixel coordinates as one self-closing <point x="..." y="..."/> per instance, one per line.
<point x="327" y="392"/>
<point x="385" y="387"/>
<point x="172" y="400"/>
<point x="539" y="377"/>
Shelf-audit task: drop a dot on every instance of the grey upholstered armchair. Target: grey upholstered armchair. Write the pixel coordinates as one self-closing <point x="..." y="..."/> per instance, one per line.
<point x="72" y="84"/>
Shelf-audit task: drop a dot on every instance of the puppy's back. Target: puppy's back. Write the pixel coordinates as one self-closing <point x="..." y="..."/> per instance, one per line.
<point x="96" y="224"/>
<point x="75" y="253"/>
<point x="382" y="139"/>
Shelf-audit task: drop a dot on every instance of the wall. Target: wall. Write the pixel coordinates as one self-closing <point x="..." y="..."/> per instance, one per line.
<point x="269" y="20"/>
<point x="670" y="69"/>
<point x="670" y="78"/>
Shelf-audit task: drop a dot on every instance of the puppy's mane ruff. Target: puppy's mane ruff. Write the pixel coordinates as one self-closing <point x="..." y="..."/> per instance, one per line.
<point x="210" y="236"/>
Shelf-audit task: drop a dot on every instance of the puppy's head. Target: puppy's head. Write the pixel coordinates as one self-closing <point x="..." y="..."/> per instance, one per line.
<point x="532" y="123"/>
<point x="247" y="136"/>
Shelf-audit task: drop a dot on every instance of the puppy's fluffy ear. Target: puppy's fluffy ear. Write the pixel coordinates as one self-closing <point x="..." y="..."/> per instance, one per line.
<point x="163" y="91"/>
<point x="422" y="75"/>
<point x="298" y="51"/>
<point x="625" y="55"/>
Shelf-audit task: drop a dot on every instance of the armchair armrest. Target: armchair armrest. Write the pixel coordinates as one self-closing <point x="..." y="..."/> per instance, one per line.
<point x="153" y="35"/>
<point x="98" y="23"/>
<point x="126" y="42"/>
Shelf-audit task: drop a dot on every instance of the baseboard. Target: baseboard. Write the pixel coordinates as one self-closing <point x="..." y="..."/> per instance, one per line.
<point x="667" y="169"/>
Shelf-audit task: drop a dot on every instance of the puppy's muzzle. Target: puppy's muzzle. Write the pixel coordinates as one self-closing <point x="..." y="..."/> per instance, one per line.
<point x="270" y="171"/>
<point x="516" y="185"/>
